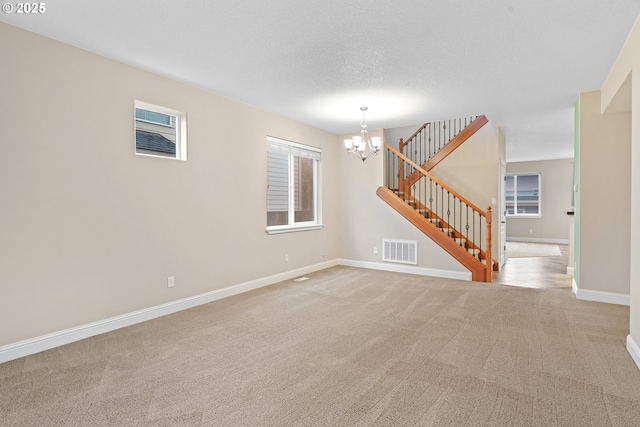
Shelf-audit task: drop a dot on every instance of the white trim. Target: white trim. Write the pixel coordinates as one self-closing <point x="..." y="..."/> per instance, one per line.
<point x="634" y="350"/>
<point x="447" y="274"/>
<point x="279" y="229"/>
<point x="599" y="296"/>
<point x="66" y="336"/>
<point x="569" y="271"/>
<point x="538" y="240"/>
<point x="56" y="339"/>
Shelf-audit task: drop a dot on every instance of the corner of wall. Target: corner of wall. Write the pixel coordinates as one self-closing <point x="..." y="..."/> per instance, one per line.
<point x="634" y="350"/>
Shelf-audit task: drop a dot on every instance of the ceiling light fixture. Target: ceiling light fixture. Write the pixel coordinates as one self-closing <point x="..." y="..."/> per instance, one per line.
<point x="362" y="145"/>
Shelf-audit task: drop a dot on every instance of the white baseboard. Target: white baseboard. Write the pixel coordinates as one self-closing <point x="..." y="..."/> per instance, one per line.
<point x="599" y="296"/>
<point x="56" y="339"/>
<point x="447" y="274"/>
<point x="538" y="240"/>
<point x="574" y="286"/>
<point x="633" y="350"/>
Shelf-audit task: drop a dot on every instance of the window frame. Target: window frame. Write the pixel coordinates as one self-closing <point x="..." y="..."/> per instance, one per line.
<point x="180" y="118"/>
<point x="292" y="225"/>
<point x="515" y="213"/>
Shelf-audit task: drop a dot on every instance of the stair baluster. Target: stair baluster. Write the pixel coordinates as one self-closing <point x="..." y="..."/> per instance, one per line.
<point x="407" y="182"/>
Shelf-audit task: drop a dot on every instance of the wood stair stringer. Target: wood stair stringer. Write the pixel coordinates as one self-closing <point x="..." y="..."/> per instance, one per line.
<point x="477" y="268"/>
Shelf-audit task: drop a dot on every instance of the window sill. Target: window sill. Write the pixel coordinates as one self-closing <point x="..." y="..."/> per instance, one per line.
<point x="158" y="156"/>
<point x="293" y="228"/>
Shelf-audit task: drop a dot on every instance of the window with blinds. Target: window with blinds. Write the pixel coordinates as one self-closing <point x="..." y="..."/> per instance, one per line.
<point x="292" y="185"/>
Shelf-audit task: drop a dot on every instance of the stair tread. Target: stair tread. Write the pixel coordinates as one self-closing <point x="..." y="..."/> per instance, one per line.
<point x="421" y="206"/>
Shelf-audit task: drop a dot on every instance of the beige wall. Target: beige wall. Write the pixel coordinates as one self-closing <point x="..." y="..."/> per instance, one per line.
<point x="393" y="135"/>
<point x="89" y="230"/>
<point x="621" y="92"/>
<point x="605" y="190"/>
<point x="367" y="219"/>
<point x="80" y="239"/>
<point x="473" y="170"/>
<point x="557" y="186"/>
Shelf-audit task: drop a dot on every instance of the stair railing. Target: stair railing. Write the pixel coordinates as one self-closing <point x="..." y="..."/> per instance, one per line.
<point x="431" y="137"/>
<point x="446" y="209"/>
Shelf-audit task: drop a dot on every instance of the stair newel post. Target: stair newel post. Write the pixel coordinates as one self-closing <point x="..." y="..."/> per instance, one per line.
<point x="489" y="258"/>
<point x="401" y="168"/>
<point x="390" y="169"/>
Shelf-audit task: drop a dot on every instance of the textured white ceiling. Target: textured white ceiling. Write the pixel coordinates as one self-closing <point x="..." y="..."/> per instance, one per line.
<point x="521" y="63"/>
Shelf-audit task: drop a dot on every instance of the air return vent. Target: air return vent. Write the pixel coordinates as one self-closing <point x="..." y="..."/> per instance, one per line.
<point x="404" y="251"/>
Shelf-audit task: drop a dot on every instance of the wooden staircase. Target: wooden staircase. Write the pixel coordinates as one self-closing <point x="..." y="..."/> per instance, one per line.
<point x="450" y="220"/>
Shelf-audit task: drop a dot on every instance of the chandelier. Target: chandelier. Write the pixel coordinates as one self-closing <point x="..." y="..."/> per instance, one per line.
<point x="362" y="145"/>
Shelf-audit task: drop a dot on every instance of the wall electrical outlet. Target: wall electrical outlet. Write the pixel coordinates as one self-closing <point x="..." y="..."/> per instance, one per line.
<point x="286" y="257"/>
<point x="171" y="282"/>
<point x="375" y="250"/>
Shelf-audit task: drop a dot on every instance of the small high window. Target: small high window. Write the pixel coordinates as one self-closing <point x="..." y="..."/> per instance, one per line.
<point x="523" y="195"/>
<point x="160" y="131"/>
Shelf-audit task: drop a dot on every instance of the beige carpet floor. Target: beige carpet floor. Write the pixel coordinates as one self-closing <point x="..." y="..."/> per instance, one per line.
<point x="528" y="249"/>
<point x="346" y="347"/>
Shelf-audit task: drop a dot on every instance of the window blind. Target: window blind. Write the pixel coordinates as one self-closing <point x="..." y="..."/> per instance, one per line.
<point x="285" y="147"/>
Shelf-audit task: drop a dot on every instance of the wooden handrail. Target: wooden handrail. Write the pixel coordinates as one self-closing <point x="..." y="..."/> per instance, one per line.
<point x="436" y="180"/>
<point x="402" y="144"/>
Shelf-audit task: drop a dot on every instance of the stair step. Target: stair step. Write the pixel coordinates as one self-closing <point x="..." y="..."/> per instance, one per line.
<point x="448" y="231"/>
<point x="460" y="240"/>
<point x="424" y="212"/>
